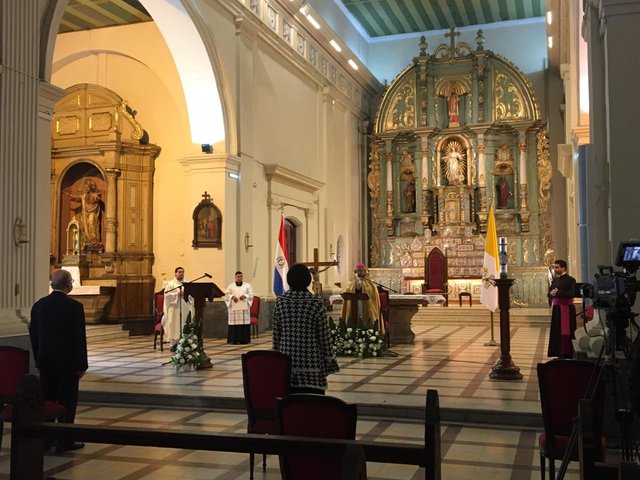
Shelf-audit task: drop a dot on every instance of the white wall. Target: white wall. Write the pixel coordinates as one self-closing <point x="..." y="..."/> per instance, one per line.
<point x="282" y="118"/>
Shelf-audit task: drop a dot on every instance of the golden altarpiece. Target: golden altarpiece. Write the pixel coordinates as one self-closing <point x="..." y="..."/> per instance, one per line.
<point x="457" y="131"/>
<point x="101" y="202"/>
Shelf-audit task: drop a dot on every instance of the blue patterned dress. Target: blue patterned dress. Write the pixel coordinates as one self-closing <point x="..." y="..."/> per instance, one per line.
<point x="300" y="330"/>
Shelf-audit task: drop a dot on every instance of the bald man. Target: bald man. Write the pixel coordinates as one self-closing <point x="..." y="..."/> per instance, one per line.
<point x="59" y="342"/>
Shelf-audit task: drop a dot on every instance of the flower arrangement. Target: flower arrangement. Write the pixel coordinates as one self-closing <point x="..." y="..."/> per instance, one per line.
<point x="188" y="354"/>
<point x="356" y="342"/>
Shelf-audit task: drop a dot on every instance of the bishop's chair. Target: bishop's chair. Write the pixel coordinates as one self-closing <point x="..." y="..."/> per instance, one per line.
<point x="436" y="275"/>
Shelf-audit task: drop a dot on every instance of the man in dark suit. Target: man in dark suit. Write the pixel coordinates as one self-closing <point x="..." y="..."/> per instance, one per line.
<point x="59" y="343"/>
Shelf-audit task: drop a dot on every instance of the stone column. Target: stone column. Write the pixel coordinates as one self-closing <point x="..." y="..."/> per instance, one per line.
<point x="611" y="31"/>
<point x="482" y="184"/>
<point x="111" y="210"/>
<point x="424" y="173"/>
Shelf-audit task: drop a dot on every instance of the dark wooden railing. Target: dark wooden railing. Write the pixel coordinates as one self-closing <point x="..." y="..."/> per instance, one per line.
<point x="29" y="432"/>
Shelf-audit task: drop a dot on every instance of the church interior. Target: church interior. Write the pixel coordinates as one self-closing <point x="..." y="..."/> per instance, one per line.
<point x="137" y="136"/>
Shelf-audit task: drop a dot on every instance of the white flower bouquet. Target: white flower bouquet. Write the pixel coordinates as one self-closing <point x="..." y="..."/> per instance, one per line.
<point x="188" y="354"/>
<point x="355" y="342"/>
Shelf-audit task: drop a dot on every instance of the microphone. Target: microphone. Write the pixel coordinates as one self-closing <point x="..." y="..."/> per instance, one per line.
<point x="207" y="275"/>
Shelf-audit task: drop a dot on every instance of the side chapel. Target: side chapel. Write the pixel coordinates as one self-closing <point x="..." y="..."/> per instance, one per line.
<point x="457" y="131"/>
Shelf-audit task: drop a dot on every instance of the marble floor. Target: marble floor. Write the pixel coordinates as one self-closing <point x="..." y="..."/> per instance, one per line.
<point x="127" y="385"/>
<point x="478" y="452"/>
<point x="450" y="358"/>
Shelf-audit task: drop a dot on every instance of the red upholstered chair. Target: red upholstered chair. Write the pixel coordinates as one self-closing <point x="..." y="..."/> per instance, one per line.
<point x="562" y="384"/>
<point x="15" y="365"/>
<point x="309" y="415"/>
<point x="384" y="309"/>
<point x="436" y="275"/>
<point x="158" y="308"/>
<point x="254" y="313"/>
<point x="266" y="375"/>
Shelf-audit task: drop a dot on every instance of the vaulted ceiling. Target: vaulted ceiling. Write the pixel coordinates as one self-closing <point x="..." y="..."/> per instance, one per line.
<point x="392" y="17"/>
<point x="377" y="17"/>
<point x="89" y="14"/>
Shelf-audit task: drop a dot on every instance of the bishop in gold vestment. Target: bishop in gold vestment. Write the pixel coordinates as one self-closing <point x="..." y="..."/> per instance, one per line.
<point x="371" y="308"/>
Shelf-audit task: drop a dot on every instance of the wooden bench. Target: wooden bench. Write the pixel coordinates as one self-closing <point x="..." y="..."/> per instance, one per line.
<point x="29" y="432"/>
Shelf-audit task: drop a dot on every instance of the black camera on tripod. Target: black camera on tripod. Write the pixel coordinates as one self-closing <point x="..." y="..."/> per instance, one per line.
<point x="615" y="291"/>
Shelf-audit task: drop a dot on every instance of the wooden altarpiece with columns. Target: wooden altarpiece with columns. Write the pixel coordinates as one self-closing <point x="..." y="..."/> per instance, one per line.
<point x="457" y="131"/>
<point x="102" y="168"/>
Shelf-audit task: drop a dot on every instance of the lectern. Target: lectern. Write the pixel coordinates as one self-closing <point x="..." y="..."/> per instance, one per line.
<point x="354" y="298"/>
<point x="201" y="292"/>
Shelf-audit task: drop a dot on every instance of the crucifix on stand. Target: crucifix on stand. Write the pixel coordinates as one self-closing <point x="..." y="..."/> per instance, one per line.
<point x="315" y="269"/>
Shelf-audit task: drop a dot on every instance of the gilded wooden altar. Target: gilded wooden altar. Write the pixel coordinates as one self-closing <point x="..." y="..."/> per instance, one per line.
<point x="101" y="198"/>
<point x="458" y="131"/>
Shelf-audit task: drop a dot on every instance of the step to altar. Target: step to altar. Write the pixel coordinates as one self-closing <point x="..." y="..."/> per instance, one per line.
<point x="101" y="333"/>
<point x="477" y="314"/>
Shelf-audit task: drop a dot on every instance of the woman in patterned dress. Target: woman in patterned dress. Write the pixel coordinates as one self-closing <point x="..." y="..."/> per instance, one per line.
<point x="300" y="330"/>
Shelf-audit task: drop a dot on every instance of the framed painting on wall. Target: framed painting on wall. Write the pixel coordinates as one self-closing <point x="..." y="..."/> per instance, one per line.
<point x="207" y="224"/>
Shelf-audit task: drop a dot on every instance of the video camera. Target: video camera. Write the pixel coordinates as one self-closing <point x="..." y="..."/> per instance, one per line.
<point x="615" y="291"/>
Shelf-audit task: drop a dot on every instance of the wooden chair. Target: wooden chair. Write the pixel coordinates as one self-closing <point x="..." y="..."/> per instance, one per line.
<point x="15" y="365"/>
<point x="158" y="308"/>
<point x="266" y="375"/>
<point x="562" y="384"/>
<point x="384" y="310"/>
<point x="436" y="275"/>
<point x="309" y="415"/>
<point x="254" y="313"/>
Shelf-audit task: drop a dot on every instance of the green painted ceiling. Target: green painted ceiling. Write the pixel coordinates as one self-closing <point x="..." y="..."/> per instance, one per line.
<point x="392" y="17"/>
<point x="89" y="14"/>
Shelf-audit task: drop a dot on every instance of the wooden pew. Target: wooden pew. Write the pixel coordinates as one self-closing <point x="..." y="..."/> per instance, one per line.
<point x="29" y="432"/>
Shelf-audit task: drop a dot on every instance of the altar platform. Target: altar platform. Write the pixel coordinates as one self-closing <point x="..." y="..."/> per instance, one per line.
<point x="448" y="354"/>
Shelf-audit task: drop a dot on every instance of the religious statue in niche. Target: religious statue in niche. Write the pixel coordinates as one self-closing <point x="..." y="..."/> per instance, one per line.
<point x="453" y="107"/>
<point x="408" y="179"/>
<point x="454" y="163"/>
<point x="207" y="224"/>
<point x="89" y="210"/>
<point x="503" y="192"/>
<point x="410" y="197"/>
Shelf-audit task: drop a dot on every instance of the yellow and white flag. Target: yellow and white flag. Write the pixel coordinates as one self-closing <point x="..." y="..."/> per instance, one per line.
<point x="490" y="271"/>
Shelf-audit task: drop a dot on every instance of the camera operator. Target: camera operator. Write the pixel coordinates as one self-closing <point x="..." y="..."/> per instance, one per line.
<point x="563" y="315"/>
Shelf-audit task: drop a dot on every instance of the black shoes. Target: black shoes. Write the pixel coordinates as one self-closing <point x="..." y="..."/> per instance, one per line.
<point x="173" y="348"/>
<point x="67" y="447"/>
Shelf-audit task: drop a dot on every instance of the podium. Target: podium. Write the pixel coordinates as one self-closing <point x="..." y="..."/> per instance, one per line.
<point x="201" y="292"/>
<point x="354" y="298"/>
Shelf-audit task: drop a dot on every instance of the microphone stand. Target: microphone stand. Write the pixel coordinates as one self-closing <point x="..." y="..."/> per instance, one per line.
<point x="181" y="294"/>
<point x="383" y="286"/>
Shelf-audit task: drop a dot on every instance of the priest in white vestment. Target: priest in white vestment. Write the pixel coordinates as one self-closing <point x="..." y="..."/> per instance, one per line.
<point x="238" y="296"/>
<point x="174" y="308"/>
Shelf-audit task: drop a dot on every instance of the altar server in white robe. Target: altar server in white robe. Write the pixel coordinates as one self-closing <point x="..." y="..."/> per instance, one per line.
<point x="238" y="296"/>
<point x="174" y="307"/>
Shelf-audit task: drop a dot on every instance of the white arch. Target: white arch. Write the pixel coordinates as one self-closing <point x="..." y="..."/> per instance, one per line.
<point x="194" y="68"/>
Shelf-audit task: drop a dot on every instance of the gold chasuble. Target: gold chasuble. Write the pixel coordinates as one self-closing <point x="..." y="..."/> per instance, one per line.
<point x="370" y="308"/>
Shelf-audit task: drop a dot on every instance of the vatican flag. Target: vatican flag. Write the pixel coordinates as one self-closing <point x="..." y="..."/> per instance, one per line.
<point x="489" y="292"/>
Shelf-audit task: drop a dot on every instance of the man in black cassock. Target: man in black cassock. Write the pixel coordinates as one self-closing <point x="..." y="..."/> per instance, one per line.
<point x="563" y="315"/>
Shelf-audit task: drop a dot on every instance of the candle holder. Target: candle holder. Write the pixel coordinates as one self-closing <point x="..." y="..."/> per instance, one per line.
<point x="505" y="369"/>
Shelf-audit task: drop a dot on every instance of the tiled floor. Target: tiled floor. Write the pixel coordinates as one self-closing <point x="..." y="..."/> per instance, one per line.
<point x="449" y="358"/>
<point x="468" y="451"/>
